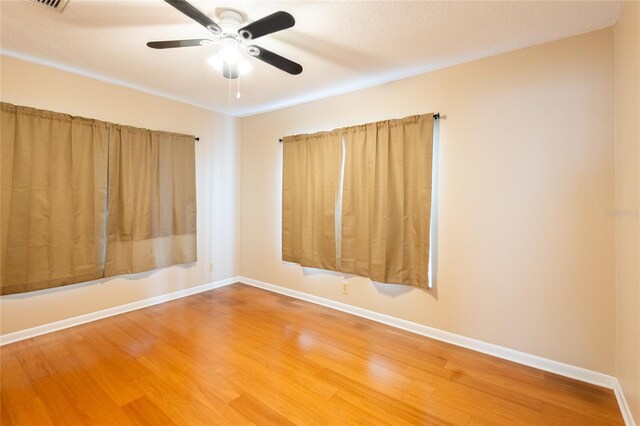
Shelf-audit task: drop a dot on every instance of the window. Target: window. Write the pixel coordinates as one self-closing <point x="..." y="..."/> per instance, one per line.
<point x="380" y="185"/>
<point x="83" y="199"/>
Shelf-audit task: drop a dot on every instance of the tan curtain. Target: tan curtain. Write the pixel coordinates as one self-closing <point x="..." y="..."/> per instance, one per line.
<point x="83" y="199"/>
<point x="386" y="204"/>
<point x="152" y="201"/>
<point x="54" y="193"/>
<point x="310" y="185"/>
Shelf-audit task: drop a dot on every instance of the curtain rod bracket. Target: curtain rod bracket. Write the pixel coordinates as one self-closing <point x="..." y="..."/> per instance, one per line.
<point x="197" y="138"/>
<point x="436" y="115"/>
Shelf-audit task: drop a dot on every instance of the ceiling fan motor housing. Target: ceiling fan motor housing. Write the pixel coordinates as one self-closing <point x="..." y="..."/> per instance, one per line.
<point x="231" y="20"/>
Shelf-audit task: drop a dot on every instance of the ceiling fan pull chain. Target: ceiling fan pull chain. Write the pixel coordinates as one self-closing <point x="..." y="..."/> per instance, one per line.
<point x="238" y="92"/>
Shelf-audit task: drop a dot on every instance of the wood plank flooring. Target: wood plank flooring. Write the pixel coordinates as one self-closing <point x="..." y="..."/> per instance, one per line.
<point x="240" y="355"/>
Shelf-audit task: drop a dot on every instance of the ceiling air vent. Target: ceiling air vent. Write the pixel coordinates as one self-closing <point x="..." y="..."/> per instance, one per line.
<point x="56" y="5"/>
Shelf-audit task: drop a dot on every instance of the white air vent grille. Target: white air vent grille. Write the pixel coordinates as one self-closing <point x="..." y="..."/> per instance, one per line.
<point x="57" y="5"/>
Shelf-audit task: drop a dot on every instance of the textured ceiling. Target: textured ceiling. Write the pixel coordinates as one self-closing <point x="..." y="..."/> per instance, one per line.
<point x="341" y="45"/>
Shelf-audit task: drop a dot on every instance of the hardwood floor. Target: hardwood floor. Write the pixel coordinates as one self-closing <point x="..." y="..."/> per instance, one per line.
<point x="240" y="355"/>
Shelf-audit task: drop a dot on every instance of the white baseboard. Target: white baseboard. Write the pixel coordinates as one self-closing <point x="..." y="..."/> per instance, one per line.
<point x="93" y="316"/>
<point x="534" y="361"/>
<point x="622" y="403"/>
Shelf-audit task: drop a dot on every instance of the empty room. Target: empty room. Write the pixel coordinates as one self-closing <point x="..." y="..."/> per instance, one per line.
<point x="319" y="212"/>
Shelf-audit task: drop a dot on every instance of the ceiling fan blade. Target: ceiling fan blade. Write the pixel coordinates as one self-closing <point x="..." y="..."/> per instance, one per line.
<point x="274" y="59"/>
<point x="168" y="44"/>
<point x="269" y="24"/>
<point x="196" y="15"/>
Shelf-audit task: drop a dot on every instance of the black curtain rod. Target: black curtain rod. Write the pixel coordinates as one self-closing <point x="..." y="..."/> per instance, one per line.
<point x="435" y="117"/>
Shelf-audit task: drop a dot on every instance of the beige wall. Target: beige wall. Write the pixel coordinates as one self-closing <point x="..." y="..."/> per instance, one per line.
<point x="217" y="174"/>
<point x="627" y="197"/>
<point x="525" y="254"/>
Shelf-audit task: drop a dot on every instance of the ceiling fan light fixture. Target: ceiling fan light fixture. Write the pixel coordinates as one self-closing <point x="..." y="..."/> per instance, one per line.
<point x="229" y="60"/>
<point x="230" y="52"/>
<point x="244" y="67"/>
<point x="216" y="62"/>
<point x="230" y="55"/>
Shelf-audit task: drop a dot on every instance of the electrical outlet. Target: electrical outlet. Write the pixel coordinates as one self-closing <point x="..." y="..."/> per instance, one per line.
<point x="210" y="266"/>
<point x="345" y="287"/>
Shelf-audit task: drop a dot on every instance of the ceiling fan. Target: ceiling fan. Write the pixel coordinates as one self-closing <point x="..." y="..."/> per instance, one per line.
<point x="235" y="38"/>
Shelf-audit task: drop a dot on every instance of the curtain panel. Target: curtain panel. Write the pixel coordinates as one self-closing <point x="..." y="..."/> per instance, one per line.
<point x="64" y="214"/>
<point x="152" y="201"/>
<point x="386" y="202"/>
<point x="54" y="199"/>
<point x="310" y="190"/>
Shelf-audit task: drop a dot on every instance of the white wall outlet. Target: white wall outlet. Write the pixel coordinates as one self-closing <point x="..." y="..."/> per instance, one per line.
<point x="345" y="287"/>
<point x="210" y="266"/>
